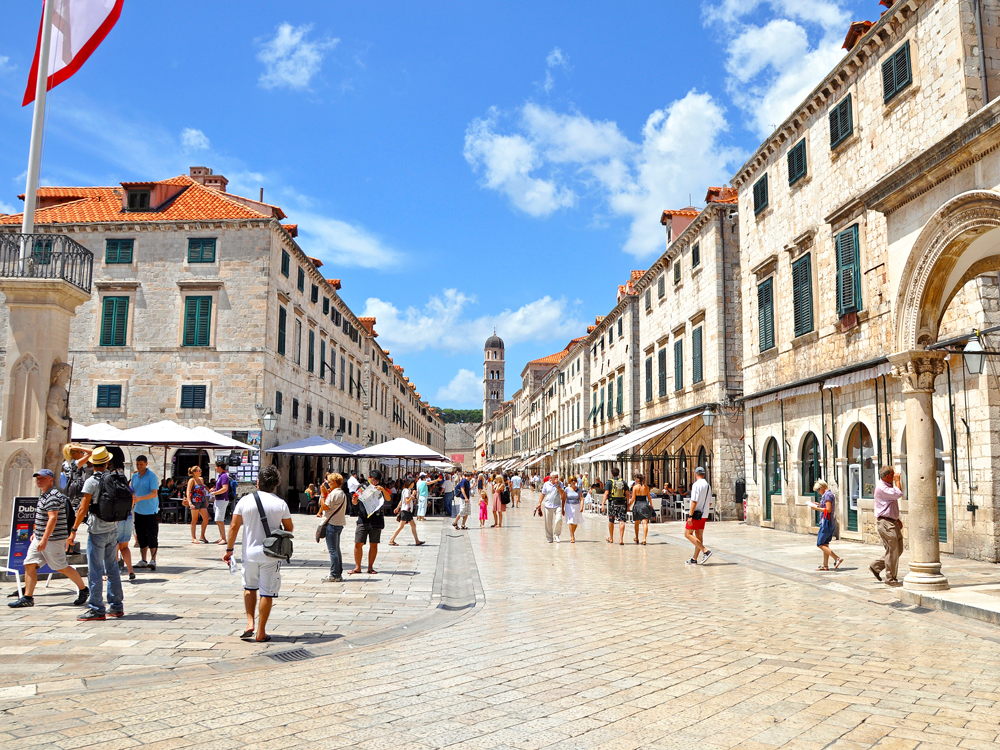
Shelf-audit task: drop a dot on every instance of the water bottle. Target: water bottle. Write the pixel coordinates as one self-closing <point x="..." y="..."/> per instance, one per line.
<point x="232" y="565"/>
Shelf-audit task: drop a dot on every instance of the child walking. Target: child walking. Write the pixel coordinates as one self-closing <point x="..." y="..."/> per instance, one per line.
<point x="483" y="508"/>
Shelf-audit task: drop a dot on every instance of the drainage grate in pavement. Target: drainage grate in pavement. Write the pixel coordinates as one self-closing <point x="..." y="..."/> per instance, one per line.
<point x="299" y="654"/>
<point x="898" y="605"/>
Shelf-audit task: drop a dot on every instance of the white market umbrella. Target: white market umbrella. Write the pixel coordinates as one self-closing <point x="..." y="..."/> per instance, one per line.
<point x="401" y="448"/>
<point x="101" y="432"/>
<point x="225" y="442"/>
<point x="314" y="446"/>
<point x="167" y="433"/>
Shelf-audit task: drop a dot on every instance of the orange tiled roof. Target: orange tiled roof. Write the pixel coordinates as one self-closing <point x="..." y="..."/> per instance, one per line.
<point x="599" y="318"/>
<point x="721" y="195"/>
<point x="690" y="212"/>
<point x="292" y="229"/>
<point x="104" y="204"/>
<point x="857" y="30"/>
<point x="369" y="324"/>
<point x="315" y="261"/>
<point x="636" y="275"/>
<point x="552" y="359"/>
<point x="591" y="329"/>
<point x="335" y="283"/>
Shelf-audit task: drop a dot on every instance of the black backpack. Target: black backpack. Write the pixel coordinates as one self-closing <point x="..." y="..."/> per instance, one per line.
<point x="113" y="500"/>
<point x="75" y="479"/>
<point x="232" y="489"/>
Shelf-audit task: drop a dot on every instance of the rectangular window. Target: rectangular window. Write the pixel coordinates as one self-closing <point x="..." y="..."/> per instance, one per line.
<point x="41" y="252"/>
<point x="678" y="364"/>
<point x="314" y="294"/>
<point x="611" y="398"/>
<point x="621" y="393"/>
<point x="197" y="321"/>
<point x="649" y="379"/>
<point x="765" y="314"/>
<point x="797" y="162"/>
<point x="319" y="418"/>
<point x="301" y="281"/>
<point x="342" y="368"/>
<point x="802" y="298"/>
<point x="600" y="409"/>
<point x="193" y="396"/>
<point x="277" y="402"/>
<point x="697" y="375"/>
<point x="109" y="396"/>
<point x="201" y="251"/>
<point x="620" y="334"/>
<point x="282" y="324"/>
<point x="326" y="305"/>
<point x="661" y="288"/>
<point x="118" y="251"/>
<point x="649" y="302"/>
<point x="298" y="341"/>
<point x="896" y="72"/>
<point x="848" y="272"/>
<point x="138" y="200"/>
<point x="350" y="379"/>
<point x="696" y="255"/>
<point x="661" y="362"/>
<point x="114" y="321"/>
<point x="309" y="413"/>
<point x="286" y="263"/>
<point x="295" y="408"/>
<point x="311" y="360"/>
<point x="760" y="195"/>
<point x="343" y="424"/>
<point x="322" y="361"/>
<point x="333" y="364"/>
<point x="841" y="122"/>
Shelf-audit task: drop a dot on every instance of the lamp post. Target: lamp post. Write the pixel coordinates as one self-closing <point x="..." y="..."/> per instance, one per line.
<point x="708" y="416"/>
<point x="975" y="359"/>
<point x="270" y="420"/>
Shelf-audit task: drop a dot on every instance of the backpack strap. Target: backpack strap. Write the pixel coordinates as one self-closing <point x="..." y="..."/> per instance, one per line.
<point x="263" y="517"/>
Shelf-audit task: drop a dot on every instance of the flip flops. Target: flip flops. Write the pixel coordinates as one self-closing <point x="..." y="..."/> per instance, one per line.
<point x="246" y="634"/>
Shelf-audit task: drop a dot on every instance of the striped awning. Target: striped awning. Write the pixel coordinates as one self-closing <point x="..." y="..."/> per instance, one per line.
<point x="799" y="390"/>
<point x="858" y="377"/>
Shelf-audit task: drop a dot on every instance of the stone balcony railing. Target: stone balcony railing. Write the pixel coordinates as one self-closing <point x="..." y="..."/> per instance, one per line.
<point x="46" y="256"/>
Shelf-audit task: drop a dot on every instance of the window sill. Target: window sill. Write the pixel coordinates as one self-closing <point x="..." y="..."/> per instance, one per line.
<point x="698" y="386"/>
<point x="764" y="212"/>
<point x="844" y="146"/>
<point x="800" y="183"/>
<point x="769" y="354"/>
<point x="696" y="270"/>
<point x="805" y="339"/>
<point x="903" y="96"/>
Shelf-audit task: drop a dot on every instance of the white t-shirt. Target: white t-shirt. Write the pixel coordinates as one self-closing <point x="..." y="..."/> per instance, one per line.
<point x="406" y="500"/>
<point x="700" y="494"/>
<point x="253" y="530"/>
<point x="515" y="482"/>
<point x="447" y="485"/>
<point x="352" y="484"/>
<point x="550" y="495"/>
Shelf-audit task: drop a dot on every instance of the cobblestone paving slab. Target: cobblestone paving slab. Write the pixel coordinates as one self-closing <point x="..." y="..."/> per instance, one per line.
<point x="588" y="646"/>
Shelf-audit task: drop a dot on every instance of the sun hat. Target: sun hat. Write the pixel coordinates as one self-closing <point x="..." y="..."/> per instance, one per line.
<point x="101" y="455"/>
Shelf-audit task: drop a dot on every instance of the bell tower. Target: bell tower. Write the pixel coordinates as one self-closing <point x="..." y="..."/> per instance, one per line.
<point x="493" y="364"/>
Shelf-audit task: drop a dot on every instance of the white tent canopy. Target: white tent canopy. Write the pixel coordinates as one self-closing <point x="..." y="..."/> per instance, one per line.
<point x="610" y="451"/>
<point x="101" y="432"/>
<point x="401" y="448"/>
<point x="167" y="433"/>
<point x="314" y="446"/>
<point x="226" y="442"/>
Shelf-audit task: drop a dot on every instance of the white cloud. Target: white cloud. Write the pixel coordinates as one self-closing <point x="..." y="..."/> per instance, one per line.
<point x="338" y="242"/>
<point x="194" y="140"/>
<point x="555" y="59"/>
<point x="548" y="159"/>
<point x="465" y="389"/>
<point x="5" y="65"/>
<point x="442" y="323"/>
<point x="290" y="59"/>
<point x="6" y="208"/>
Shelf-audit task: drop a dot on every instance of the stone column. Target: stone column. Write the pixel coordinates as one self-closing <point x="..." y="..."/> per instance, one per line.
<point x="917" y="370"/>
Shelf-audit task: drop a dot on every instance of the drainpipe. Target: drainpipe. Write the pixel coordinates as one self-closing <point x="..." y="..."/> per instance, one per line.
<point x="725" y="303"/>
<point x="977" y="9"/>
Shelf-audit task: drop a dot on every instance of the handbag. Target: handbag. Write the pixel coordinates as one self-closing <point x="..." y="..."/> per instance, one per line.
<point x="277" y="543"/>
<point x="321" y="529"/>
<point x="505" y="497"/>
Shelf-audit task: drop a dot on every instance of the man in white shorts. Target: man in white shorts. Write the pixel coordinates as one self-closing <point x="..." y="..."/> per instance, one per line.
<point x="515" y="490"/>
<point x="261" y="574"/>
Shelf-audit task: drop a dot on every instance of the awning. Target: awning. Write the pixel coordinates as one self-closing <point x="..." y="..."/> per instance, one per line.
<point x="313" y="446"/>
<point x="611" y="451"/>
<point x="401" y="448"/>
<point x="101" y="432"/>
<point x="801" y="390"/>
<point x="858" y="377"/>
<point x="534" y="461"/>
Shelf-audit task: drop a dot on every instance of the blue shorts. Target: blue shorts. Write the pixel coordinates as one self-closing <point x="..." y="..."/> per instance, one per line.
<point x="125" y="530"/>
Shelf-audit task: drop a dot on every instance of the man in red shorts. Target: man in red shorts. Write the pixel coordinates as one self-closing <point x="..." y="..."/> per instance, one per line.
<point x="695" y="528"/>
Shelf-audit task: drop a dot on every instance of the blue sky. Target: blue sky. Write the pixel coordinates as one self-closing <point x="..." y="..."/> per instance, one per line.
<point x="459" y="165"/>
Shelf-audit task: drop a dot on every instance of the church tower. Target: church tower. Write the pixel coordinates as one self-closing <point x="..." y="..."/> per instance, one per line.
<point x="492" y="376"/>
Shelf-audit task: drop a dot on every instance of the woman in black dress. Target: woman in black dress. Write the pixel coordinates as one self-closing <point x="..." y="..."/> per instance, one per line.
<point x="642" y="509"/>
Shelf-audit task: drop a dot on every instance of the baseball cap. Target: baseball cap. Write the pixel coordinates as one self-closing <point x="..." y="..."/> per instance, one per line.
<point x="700" y="470"/>
<point x="44" y="473"/>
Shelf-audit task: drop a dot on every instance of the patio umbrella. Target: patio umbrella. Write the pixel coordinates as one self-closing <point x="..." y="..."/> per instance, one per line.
<point x="225" y="442"/>
<point x="99" y="432"/>
<point x="401" y="448"/>
<point x="314" y="446"/>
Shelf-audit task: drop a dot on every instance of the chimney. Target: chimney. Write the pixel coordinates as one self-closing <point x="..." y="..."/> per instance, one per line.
<point x="204" y="176"/>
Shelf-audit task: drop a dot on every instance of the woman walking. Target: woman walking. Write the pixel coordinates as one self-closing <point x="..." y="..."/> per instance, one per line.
<point x="497" y="488"/>
<point x="825" y="534"/>
<point x="642" y="509"/>
<point x="405" y="511"/>
<point x="197" y="501"/>
<point x="333" y="511"/>
<point x="574" y="512"/>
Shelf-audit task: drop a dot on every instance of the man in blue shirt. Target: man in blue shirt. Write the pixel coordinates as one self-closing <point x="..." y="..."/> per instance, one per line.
<point x="146" y="511"/>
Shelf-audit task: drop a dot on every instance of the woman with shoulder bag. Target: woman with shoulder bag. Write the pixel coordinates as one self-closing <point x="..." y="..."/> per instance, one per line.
<point x="826" y="524"/>
<point x="333" y="510"/>
<point x="641" y="508"/>
<point x="405" y="512"/>
<point x="197" y="501"/>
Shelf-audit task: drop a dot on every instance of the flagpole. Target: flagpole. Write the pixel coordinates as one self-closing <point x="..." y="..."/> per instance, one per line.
<point x="37" y="124"/>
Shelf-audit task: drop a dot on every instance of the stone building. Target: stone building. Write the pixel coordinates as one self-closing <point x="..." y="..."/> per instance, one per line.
<point x="205" y="308"/>
<point x="868" y="251"/>
<point x="460" y="444"/>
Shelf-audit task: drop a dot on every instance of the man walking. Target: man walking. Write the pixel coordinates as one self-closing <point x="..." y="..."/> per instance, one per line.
<point x="890" y="528"/>
<point x="220" y="497"/>
<point x="448" y="488"/>
<point x="369" y="528"/>
<point x="464" y="494"/>
<point x="515" y="490"/>
<point x="102" y="545"/>
<point x="146" y="512"/>
<point x="616" y="505"/>
<point x="694" y="529"/>
<point x="261" y="574"/>
<point x="48" y="544"/>
<point x="553" y="498"/>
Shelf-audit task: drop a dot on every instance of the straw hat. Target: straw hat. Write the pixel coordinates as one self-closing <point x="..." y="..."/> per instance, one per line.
<point x="69" y="448"/>
<point x="100" y="456"/>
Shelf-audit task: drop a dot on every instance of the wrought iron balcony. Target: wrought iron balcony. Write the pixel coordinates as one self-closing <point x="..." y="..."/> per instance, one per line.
<point x="46" y="256"/>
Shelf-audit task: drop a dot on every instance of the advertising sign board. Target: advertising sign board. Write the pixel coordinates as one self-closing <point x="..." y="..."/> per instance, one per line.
<point x="22" y="529"/>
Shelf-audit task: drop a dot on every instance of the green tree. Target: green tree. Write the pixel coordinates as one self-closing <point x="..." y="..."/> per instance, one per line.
<point x="454" y="416"/>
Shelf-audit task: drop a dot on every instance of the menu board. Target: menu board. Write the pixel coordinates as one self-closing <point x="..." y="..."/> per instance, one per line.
<point x="22" y="528"/>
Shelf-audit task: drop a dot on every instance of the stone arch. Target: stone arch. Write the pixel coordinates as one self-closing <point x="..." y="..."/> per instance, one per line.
<point x="956" y="244"/>
<point x="23" y="404"/>
<point x="17" y="476"/>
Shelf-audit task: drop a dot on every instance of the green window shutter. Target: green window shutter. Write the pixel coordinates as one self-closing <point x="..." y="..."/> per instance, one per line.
<point x="277" y="402"/>
<point x="765" y="314"/>
<point x="197" y="321"/>
<point x="848" y="272"/>
<point x="841" y="122"/>
<point x="193" y="396"/>
<point x="696" y="255"/>
<point x="118" y="251"/>
<point x="660" y="286"/>
<point x="611" y="398"/>
<point x="621" y="394"/>
<point x="114" y="321"/>
<point x="662" y="365"/>
<point x="201" y="251"/>
<point x="600" y="409"/>
<point x="282" y="325"/>
<point x="311" y="362"/>
<point x="760" y="195"/>
<point x="649" y="379"/>
<point x="322" y="361"/>
<point x="797" y="162"/>
<point x="802" y="302"/>
<point x="301" y="280"/>
<point x="696" y="369"/>
<point x="678" y="364"/>
<point x="677" y="272"/>
<point x="285" y="263"/>
<point x="41" y="252"/>
<point x="897" y="72"/>
<point x="109" y="396"/>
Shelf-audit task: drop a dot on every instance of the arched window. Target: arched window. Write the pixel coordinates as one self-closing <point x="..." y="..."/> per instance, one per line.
<point x="861" y="471"/>
<point x="682" y="472"/>
<point x="703" y="461"/>
<point x="810" y="470"/>
<point x="772" y="475"/>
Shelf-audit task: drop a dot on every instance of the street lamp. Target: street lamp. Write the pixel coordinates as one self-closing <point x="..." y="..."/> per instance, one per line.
<point x="708" y="416"/>
<point x="339" y="436"/>
<point x="270" y="421"/>
<point x="973" y="356"/>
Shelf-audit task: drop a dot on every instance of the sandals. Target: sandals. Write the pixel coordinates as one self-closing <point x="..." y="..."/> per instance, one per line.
<point x="610" y="540"/>
<point x="393" y="544"/>
<point x="822" y="567"/>
<point x="246" y="634"/>
<point x="419" y="543"/>
<point x="837" y="564"/>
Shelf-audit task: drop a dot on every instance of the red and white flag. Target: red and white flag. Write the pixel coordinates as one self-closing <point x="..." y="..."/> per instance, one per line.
<point x="78" y="27"/>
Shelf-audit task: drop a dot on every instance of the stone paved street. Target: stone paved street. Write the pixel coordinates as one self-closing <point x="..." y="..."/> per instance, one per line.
<point x="567" y="646"/>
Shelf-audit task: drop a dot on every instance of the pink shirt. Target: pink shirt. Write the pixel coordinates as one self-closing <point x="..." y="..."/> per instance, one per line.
<point x="887" y="500"/>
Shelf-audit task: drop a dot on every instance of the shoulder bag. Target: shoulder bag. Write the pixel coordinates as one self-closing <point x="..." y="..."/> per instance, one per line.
<point x="321" y="529"/>
<point x="277" y="543"/>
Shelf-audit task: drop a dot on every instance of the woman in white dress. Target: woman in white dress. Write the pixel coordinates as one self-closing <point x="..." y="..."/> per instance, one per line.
<point x="574" y="508"/>
<point x="405" y="511"/>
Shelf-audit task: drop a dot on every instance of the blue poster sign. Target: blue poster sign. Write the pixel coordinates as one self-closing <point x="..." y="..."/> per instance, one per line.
<point x="22" y="529"/>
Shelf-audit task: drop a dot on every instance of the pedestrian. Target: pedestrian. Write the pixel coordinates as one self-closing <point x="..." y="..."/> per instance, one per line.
<point x="197" y="501"/>
<point x="102" y="541"/>
<point x="125" y="530"/>
<point x="615" y="505"/>
<point x="448" y="488"/>
<point x="369" y="528"/>
<point x="464" y="489"/>
<point x="332" y="509"/>
<point x="48" y="543"/>
<point x="261" y="574"/>
<point x="642" y="509"/>
<point x="515" y="490"/>
<point x="694" y="529"/>
<point x="405" y="511"/>
<point x="497" y="487"/>
<point x="423" y="492"/>
<point x="146" y="512"/>
<point x="484" y="509"/>
<point x="573" y="507"/>
<point x="890" y="528"/>
<point x="826" y="524"/>
<point x="353" y="485"/>
<point x="553" y="498"/>
<point x="75" y="472"/>
<point x="220" y="497"/>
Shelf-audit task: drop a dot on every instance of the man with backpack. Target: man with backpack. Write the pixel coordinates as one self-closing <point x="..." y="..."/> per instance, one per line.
<point x="616" y="505"/>
<point x="222" y="495"/>
<point x="48" y="543"/>
<point x="107" y="499"/>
